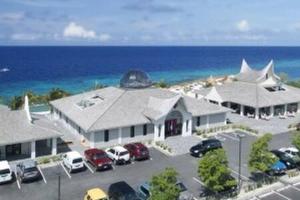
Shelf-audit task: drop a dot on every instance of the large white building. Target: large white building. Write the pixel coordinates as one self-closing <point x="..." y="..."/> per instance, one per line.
<point x="135" y="111"/>
<point x="257" y="93"/>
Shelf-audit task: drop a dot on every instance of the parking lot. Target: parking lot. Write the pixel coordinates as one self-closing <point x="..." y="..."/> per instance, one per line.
<point x="74" y="185"/>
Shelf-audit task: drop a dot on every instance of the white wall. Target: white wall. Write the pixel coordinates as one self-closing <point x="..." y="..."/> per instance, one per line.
<point x="213" y="121"/>
<point x="114" y="136"/>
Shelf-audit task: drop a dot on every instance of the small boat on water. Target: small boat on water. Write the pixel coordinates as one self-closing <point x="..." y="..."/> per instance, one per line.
<point x="4" y="70"/>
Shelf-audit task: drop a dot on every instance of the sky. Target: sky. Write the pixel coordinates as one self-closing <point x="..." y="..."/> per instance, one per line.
<point x="150" y="22"/>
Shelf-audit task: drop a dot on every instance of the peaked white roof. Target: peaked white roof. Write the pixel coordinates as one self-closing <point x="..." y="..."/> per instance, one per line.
<point x="214" y="95"/>
<point x="248" y="74"/>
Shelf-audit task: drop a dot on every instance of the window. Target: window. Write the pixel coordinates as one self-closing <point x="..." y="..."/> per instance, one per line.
<point x="132" y="131"/>
<point x="198" y="121"/>
<point x="106" y="135"/>
<point x="187" y="125"/>
<point x="159" y="129"/>
<point x="145" y="129"/>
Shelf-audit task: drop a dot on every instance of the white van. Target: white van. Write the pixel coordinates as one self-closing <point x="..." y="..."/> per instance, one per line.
<point x="73" y="161"/>
<point x="5" y="172"/>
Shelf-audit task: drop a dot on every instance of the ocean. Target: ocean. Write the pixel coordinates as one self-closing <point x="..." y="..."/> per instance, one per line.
<point x="76" y="69"/>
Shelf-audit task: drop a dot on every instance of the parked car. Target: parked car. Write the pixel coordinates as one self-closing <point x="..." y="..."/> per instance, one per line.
<point x="284" y="158"/>
<point x="73" y="161"/>
<point x="118" y="154"/>
<point x="137" y="151"/>
<point x="206" y="145"/>
<point x="144" y="192"/>
<point x="277" y="168"/>
<point x="28" y="171"/>
<point x="121" y="191"/>
<point x="95" y="194"/>
<point x="5" y="172"/>
<point x="290" y="151"/>
<point x="98" y="158"/>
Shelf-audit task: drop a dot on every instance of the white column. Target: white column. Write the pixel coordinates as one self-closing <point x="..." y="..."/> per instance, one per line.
<point x="159" y="134"/>
<point x="207" y="121"/>
<point x="33" y="154"/>
<point x="285" y="109"/>
<point x="156" y="138"/>
<point x="120" y="136"/>
<point x="54" y="146"/>
<point x="189" y="133"/>
<point x="298" y="109"/>
<point x="92" y="140"/>
<point x="162" y="134"/>
<point x="219" y="103"/>
<point x="271" y="111"/>
<point x="228" y="104"/>
<point x="256" y="113"/>
<point x="242" y="110"/>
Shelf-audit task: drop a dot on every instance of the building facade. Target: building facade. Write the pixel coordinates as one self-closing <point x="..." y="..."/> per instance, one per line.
<point x="134" y="112"/>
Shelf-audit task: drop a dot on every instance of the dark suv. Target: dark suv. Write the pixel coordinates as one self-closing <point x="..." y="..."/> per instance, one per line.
<point x="205" y="146"/>
<point x="137" y="151"/>
<point x="121" y="191"/>
<point x="28" y="171"/>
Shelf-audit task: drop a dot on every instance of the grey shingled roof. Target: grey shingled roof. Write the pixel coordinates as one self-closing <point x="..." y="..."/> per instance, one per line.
<point x="15" y="128"/>
<point x="122" y="107"/>
<point x="254" y="95"/>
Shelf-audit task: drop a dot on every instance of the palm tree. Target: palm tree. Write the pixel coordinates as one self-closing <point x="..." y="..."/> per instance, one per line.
<point x="57" y="93"/>
<point x="16" y="102"/>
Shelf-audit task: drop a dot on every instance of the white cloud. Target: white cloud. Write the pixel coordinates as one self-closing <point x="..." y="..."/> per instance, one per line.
<point x="104" y="37"/>
<point x="72" y="30"/>
<point x="243" y="26"/>
<point x="25" y="36"/>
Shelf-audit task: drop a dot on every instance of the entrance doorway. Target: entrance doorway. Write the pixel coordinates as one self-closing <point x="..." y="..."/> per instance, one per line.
<point x="173" y="124"/>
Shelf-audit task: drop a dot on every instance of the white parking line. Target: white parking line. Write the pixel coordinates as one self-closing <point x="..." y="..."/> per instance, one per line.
<point x="246" y="178"/>
<point x="227" y="136"/>
<point x="198" y="181"/>
<point x="42" y="174"/>
<point x="88" y="166"/>
<point x="281" y="195"/>
<point x="69" y="175"/>
<point x="294" y="187"/>
<point x="17" y="181"/>
<point x="266" y="194"/>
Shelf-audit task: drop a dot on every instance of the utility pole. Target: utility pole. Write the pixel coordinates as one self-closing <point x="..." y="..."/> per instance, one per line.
<point x="240" y="136"/>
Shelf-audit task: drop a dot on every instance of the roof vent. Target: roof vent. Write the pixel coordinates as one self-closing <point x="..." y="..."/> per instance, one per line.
<point x="135" y="79"/>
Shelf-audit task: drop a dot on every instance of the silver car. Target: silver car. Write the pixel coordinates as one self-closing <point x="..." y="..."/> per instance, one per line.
<point x="28" y="171"/>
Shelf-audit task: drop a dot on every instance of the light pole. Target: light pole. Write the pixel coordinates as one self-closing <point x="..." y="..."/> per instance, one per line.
<point x="58" y="185"/>
<point x="240" y="136"/>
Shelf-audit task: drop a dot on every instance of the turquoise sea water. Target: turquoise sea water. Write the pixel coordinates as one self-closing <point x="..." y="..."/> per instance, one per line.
<point x="77" y="69"/>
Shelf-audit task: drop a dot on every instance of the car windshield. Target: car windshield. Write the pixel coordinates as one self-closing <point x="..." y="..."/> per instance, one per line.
<point x="4" y="171"/>
<point x="145" y="191"/>
<point x="100" y="155"/>
<point x="77" y="160"/>
<point x="181" y="187"/>
<point x="130" y="196"/>
<point x="142" y="149"/>
<point x="103" y="199"/>
<point x="123" y="153"/>
<point x="31" y="169"/>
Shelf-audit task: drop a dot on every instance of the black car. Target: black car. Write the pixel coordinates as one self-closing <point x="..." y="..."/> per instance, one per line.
<point x="206" y="145"/>
<point x="121" y="191"/>
<point x="28" y="171"/>
<point x="284" y="158"/>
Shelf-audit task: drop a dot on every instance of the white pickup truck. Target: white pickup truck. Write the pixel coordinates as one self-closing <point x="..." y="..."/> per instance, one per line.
<point x="118" y="154"/>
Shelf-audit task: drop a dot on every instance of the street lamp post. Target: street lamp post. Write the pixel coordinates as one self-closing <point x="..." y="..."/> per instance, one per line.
<point x="59" y="184"/>
<point x="240" y="136"/>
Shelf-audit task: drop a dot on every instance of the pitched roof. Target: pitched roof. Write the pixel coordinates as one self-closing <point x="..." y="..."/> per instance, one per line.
<point x="247" y="74"/>
<point x="127" y="107"/>
<point x="16" y="128"/>
<point x="254" y="95"/>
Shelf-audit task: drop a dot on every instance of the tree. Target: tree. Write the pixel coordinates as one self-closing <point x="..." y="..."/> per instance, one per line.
<point x="163" y="185"/>
<point x="214" y="172"/>
<point x="16" y="102"/>
<point x="161" y="84"/>
<point x="283" y="76"/>
<point x="260" y="157"/>
<point x="57" y="93"/>
<point x="296" y="140"/>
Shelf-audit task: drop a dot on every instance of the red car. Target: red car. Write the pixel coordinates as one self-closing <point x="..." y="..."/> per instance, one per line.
<point x="98" y="158"/>
<point x="137" y="151"/>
